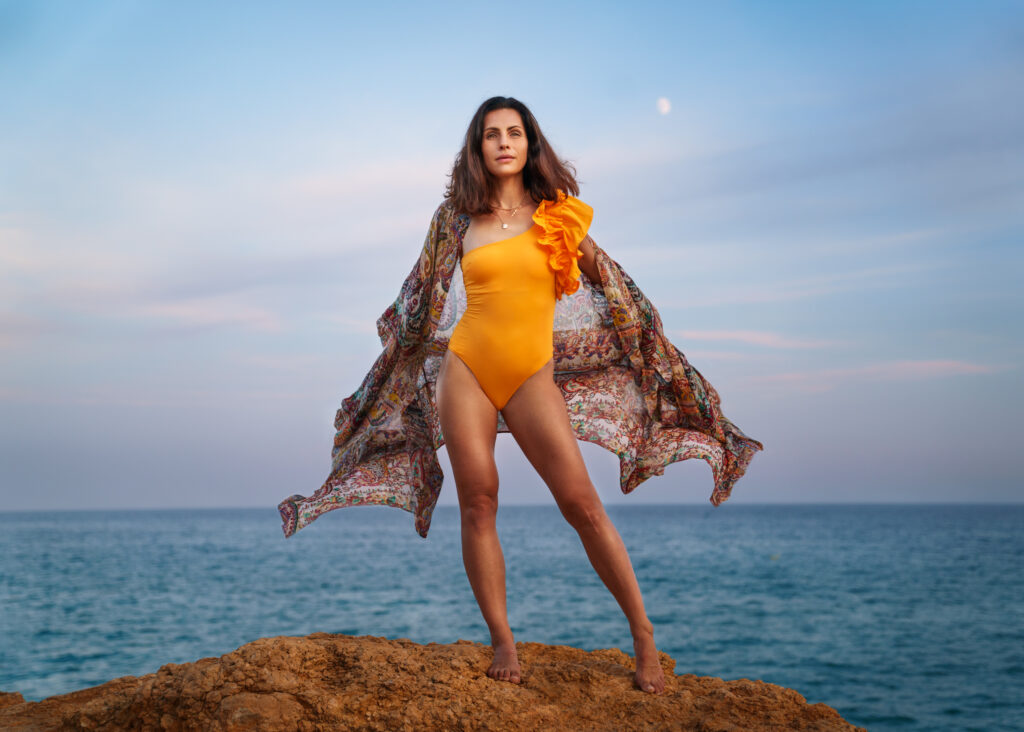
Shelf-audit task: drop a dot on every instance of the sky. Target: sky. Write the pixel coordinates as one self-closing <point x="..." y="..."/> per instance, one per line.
<point x="204" y="208"/>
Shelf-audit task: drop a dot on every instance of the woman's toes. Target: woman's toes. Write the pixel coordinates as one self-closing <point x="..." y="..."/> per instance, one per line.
<point x="651" y="682"/>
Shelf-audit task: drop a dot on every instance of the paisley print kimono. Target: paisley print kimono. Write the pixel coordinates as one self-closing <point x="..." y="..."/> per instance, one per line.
<point x="626" y="388"/>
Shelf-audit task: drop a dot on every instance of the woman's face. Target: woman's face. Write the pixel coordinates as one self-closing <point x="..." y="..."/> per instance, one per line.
<point x="504" y="146"/>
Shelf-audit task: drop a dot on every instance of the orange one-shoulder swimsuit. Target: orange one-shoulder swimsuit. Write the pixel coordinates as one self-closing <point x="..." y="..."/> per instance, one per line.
<point x="505" y="334"/>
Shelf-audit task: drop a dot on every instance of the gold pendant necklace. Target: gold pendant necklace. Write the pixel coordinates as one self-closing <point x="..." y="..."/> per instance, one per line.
<point x="513" y="210"/>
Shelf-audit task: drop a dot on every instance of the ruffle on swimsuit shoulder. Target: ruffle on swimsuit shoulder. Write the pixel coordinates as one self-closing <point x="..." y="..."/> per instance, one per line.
<point x="565" y="223"/>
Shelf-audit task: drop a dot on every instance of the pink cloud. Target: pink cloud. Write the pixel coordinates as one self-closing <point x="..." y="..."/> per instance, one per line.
<point x="820" y="380"/>
<point x="757" y="338"/>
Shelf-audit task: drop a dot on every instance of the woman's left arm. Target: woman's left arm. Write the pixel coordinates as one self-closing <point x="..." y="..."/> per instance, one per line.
<point x="588" y="262"/>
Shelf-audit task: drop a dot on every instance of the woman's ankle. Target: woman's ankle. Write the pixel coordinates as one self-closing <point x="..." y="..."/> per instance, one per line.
<point x="642" y="627"/>
<point x="502" y="639"/>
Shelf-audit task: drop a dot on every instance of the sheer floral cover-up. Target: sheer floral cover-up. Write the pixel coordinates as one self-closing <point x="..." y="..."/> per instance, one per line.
<point x="626" y="387"/>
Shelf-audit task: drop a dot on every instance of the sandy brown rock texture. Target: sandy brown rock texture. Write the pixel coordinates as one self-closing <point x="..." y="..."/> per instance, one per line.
<point x="340" y="682"/>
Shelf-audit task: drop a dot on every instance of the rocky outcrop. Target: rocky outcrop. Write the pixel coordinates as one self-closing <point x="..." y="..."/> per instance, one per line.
<point x="340" y="682"/>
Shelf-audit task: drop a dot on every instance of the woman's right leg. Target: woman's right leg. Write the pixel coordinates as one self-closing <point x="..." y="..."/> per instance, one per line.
<point x="469" y="424"/>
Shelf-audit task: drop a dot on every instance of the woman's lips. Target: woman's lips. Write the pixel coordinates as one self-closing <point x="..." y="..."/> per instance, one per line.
<point x="505" y="158"/>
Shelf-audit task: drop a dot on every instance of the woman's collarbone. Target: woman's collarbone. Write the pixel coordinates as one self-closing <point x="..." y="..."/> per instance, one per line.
<point x="474" y="239"/>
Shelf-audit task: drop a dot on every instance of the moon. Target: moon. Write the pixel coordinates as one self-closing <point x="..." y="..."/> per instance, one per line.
<point x="664" y="105"/>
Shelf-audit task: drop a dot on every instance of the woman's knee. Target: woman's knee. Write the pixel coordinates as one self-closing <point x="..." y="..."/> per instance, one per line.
<point x="479" y="508"/>
<point x="584" y="512"/>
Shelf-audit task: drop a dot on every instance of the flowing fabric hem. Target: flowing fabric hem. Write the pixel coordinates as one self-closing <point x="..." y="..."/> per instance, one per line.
<point x="289" y="509"/>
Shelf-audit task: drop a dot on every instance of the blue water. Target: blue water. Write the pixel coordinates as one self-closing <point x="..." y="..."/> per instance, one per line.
<point x="900" y="617"/>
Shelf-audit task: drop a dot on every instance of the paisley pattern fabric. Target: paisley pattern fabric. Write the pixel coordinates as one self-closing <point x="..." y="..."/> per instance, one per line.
<point x="626" y="388"/>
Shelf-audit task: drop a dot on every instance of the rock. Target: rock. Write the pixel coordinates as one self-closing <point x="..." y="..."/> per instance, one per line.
<point x="325" y="681"/>
<point x="7" y="700"/>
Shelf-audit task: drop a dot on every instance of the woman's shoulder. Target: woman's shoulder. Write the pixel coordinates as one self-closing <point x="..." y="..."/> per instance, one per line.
<point x="444" y="208"/>
<point x="447" y="222"/>
<point x="443" y="215"/>
<point x="571" y="200"/>
<point x="446" y="211"/>
<point x="565" y="211"/>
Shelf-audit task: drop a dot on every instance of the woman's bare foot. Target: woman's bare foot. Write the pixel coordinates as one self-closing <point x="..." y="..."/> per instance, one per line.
<point x="505" y="666"/>
<point x="648" y="675"/>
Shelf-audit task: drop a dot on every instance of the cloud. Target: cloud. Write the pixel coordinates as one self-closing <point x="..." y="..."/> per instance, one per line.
<point x="208" y="312"/>
<point x="758" y="338"/>
<point x="291" y="362"/>
<point x="119" y="395"/>
<point x="944" y="139"/>
<point x="191" y="255"/>
<point x="828" y="379"/>
<point x="19" y="329"/>
<point x="376" y="180"/>
<point x="804" y="288"/>
<point x="354" y="325"/>
<point x="698" y="356"/>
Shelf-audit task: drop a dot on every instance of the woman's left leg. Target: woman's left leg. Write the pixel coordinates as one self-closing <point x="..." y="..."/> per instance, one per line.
<point x="537" y="419"/>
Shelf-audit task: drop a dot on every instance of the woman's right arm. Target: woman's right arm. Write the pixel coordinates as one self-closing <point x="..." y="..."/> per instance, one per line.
<point x="588" y="262"/>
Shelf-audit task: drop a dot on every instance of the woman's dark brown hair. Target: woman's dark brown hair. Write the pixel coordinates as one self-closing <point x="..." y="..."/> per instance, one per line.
<point x="472" y="186"/>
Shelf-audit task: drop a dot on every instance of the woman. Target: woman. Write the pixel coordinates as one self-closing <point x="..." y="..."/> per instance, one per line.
<point x="534" y="354"/>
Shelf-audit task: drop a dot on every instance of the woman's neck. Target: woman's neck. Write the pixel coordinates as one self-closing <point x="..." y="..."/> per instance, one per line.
<point x="509" y="193"/>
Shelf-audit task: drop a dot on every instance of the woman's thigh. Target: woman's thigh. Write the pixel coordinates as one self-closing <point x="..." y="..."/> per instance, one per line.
<point x="469" y="424"/>
<point x="537" y="418"/>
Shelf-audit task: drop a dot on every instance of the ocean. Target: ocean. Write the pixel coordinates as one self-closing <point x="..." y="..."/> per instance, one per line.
<point x="902" y="617"/>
